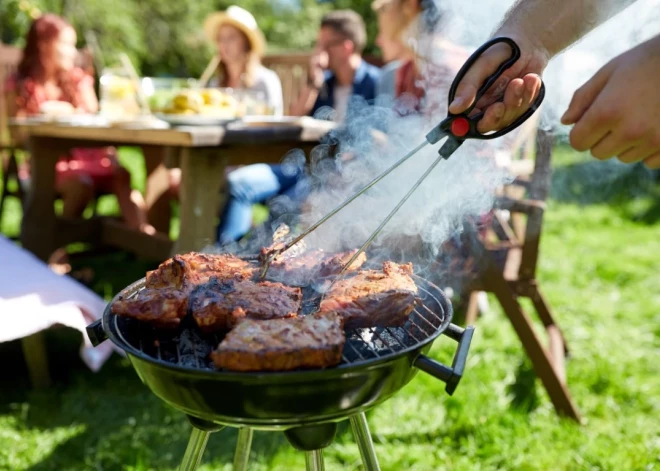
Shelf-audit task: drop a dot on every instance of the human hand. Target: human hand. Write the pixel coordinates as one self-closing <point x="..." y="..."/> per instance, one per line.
<point x="519" y="85"/>
<point x="617" y="112"/>
<point x="318" y="63"/>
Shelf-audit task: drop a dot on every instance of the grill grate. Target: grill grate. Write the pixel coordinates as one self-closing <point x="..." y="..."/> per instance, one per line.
<point x="190" y="348"/>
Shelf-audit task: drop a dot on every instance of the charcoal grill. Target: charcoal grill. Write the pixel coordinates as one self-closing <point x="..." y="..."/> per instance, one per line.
<point x="307" y="404"/>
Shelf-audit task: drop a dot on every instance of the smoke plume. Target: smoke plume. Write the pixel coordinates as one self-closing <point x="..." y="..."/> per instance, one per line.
<point x="461" y="189"/>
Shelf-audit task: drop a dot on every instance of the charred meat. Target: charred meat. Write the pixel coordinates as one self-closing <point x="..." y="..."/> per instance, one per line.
<point x="311" y="266"/>
<point x="373" y="298"/>
<point x="162" y="307"/>
<point x="282" y="344"/>
<point x="218" y="304"/>
<point x="186" y="271"/>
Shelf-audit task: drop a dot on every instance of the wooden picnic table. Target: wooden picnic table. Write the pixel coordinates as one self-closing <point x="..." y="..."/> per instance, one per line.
<point x="205" y="153"/>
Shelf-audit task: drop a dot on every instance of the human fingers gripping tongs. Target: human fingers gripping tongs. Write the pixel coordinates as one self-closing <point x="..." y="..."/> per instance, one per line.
<point x="456" y="128"/>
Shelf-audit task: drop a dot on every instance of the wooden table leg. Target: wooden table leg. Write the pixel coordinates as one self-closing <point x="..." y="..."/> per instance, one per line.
<point x="39" y="236"/>
<point x="157" y="187"/>
<point x="39" y="224"/>
<point x="552" y="376"/>
<point x="202" y="176"/>
<point x="34" y="350"/>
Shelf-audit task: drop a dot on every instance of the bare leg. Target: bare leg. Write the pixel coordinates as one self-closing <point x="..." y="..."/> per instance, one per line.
<point x="76" y="191"/>
<point x="131" y="202"/>
<point x="158" y="191"/>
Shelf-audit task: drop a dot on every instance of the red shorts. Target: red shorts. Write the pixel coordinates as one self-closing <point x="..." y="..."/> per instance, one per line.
<point x="97" y="164"/>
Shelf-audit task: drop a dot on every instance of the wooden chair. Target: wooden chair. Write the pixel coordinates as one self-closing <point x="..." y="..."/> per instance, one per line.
<point x="34" y="348"/>
<point x="509" y="258"/>
<point x="12" y="184"/>
<point x="292" y="70"/>
<point x="9" y="58"/>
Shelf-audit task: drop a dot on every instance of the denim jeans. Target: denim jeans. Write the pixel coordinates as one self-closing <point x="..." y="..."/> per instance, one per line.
<point x="255" y="184"/>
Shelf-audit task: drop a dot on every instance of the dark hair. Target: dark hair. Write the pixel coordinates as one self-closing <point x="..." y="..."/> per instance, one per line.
<point x="431" y="15"/>
<point x="348" y="24"/>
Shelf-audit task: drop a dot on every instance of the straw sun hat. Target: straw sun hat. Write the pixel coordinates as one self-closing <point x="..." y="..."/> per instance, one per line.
<point x="238" y="18"/>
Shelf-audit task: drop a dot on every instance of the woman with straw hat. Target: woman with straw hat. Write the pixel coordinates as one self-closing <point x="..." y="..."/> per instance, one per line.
<point x="241" y="45"/>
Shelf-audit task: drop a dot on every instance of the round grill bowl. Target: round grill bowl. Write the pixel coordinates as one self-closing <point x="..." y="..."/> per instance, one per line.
<point x="371" y="370"/>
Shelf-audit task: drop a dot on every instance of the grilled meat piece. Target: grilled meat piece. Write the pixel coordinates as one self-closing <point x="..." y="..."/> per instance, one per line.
<point x="218" y="304"/>
<point x="162" y="307"/>
<point x="186" y="271"/>
<point x="282" y="344"/>
<point x="373" y="298"/>
<point x="313" y="265"/>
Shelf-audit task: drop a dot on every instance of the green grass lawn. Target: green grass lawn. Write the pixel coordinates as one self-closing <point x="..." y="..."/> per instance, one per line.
<point x="600" y="270"/>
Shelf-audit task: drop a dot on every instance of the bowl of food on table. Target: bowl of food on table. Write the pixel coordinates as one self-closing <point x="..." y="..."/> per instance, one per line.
<point x="201" y="106"/>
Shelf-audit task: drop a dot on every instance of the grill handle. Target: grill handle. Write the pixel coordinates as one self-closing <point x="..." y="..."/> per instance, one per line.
<point x="452" y="376"/>
<point x="96" y="333"/>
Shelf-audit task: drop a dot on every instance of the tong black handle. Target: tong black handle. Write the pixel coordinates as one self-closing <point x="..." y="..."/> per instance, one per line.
<point x="451" y="376"/>
<point x="96" y="333"/>
<point x="469" y="124"/>
<point x="515" y="55"/>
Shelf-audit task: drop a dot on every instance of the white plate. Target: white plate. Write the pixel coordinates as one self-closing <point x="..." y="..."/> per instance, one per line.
<point x="272" y="120"/>
<point x="142" y="122"/>
<point x="193" y="119"/>
<point x="87" y="120"/>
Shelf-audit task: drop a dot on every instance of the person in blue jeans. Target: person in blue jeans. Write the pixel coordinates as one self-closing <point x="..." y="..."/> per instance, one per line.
<point x="337" y="75"/>
<point x="255" y="184"/>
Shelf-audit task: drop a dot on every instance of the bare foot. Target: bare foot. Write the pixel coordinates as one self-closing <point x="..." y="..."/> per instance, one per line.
<point x="59" y="262"/>
<point x="148" y="229"/>
<point x="60" y="268"/>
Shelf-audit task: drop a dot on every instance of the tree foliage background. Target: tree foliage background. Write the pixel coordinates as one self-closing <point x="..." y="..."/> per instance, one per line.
<point x="165" y="37"/>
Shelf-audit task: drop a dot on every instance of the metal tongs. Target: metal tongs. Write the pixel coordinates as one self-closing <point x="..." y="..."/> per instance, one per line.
<point x="455" y="127"/>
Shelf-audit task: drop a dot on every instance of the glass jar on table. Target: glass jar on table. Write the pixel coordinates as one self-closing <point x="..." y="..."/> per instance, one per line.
<point x="118" y="95"/>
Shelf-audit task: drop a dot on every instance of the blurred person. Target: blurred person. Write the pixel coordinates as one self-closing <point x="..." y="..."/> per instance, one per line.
<point x="48" y="78"/>
<point x="337" y="72"/>
<point x="615" y="113"/>
<point x="425" y="76"/>
<point x="241" y="45"/>
<point x="394" y="51"/>
<point x="336" y="69"/>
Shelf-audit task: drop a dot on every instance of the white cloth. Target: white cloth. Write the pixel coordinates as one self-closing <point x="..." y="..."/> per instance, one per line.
<point x="342" y="94"/>
<point x="34" y="298"/>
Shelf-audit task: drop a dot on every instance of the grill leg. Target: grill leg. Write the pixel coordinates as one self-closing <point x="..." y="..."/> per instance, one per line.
<point x="362" y="436"/>
<point x="195" y="450"/>
<point x="314" y="460"/>
<point x="242" y="453"/>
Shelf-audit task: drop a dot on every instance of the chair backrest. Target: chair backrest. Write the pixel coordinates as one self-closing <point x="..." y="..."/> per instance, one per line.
<point x="537" y="194"/>
<point x="292" y="70"/>
<point x="518" y="235"/>
<point x="9" y="58"/>
<point x="525" y="198"/>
